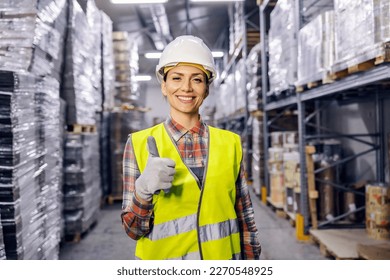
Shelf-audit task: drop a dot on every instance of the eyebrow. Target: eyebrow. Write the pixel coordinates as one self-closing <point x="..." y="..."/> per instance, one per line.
<point x="194" y="74"/>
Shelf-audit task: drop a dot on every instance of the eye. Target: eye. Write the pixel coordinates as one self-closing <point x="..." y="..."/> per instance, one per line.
<point x="176" y="78"/>
<point x="198" y="80"/>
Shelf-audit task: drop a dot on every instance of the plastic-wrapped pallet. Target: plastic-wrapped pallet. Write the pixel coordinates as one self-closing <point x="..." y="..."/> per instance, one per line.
<point x="220" y="98"/>
<point x="354" y="28"/>
<point x="226" y="98"/>
<point x="361" y="31"/>
<point x="104" y="144"/>
<point x="236" y="26"/>
<point x="240" y="83"/>
<point x="282" y="47"/>
<point x="126" y="67"/>
<point x="316" y="49"/>
<point x="49" y="148"/>
<point x="47" y="62"/>
<point x="32" y="34"/>
<point x="257" y="155"/>
<point x="17" y="35"/>
<point x="33" y="214"/>
<point x="94" y="19"/>
<point x="22" y="217"/>
<point x="81" y="189"/>
<point x="77" y="88"/>
<point x="108" y="69"/>
<point x="254" y="79"/>
<point x="2" y="248"/>
<point x="384" y="8"/>
<point x="49" y="38"/>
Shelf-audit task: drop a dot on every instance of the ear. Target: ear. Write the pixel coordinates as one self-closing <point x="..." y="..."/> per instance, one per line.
<point x="164" y="88"/>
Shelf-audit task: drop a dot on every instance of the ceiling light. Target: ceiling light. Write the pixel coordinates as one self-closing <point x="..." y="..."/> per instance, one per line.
<point x="217" y="54"/>
<point x="138" y="1"/>
<point x="143" y="78"/>
<point x="152" y="55"/>
<point x="203" y="1"/>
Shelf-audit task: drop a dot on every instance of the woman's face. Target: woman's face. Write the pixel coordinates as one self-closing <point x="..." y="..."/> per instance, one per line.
<point x="185" y="88"/>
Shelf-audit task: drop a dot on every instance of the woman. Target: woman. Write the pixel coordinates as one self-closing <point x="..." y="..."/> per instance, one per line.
<point x="185" y="196"/>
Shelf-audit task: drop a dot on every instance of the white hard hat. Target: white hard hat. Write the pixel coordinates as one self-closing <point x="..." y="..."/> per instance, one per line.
<point x="187" y="49"/>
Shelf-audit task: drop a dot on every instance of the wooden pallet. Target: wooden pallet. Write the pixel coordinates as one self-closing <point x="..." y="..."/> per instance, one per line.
<point x="374" y="252"/>
<point x="308" y="86"/>
<point x="80" y="128"/>
<point x="257" y="114"/>
<point x="313" y="195"/>
<point x="252" y="38"/>
<point x="291" y="218"/>
<point x="111" y="199"/>
<point x="326" y="79"/>
<point x="281" y="212"/>
<point x="78" y="236"/>
<point x="343" y="244"/>
<point x="277" y="208"/>
<point x="363" y="66"/>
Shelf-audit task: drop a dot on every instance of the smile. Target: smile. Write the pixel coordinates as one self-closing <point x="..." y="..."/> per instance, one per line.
<point x="185" y="98"/>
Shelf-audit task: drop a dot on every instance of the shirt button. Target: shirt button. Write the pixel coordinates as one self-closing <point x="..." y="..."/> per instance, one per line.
<point x="190" y="155"/>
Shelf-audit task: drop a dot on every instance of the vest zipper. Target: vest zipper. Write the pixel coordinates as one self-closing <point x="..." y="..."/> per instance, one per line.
<point x="201" y="186"/>
<point x="201" y="194"/>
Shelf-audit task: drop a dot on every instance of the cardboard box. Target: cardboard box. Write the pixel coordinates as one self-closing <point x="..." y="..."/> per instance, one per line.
<point x="378" y="211"/>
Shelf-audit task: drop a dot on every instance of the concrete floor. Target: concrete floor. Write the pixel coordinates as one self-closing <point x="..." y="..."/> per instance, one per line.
<point x="108" y="241"/>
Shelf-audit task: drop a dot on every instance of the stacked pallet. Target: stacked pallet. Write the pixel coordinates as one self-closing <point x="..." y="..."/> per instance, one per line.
<point x="236" y="27"/>
<point x="108" y="87"/>
<point x="362" y="34"/>
<point x="82" y="91"/>
<point x="19" y="200"/>
<point x="257" y="160"/>
<point x="82" y="192"/>
<point x="30" y="160"/>
<point x="254" y="77"/>
<point x="94" y="19"/>
<point x="291" y="174"/>
<point x="77" y="89"/>
<point x="282" y="49"/>
<point x="275" y="169"/>
<point x="315" y="51"/>
<point x="126" y="68"/>
<point x="108" y="67"/>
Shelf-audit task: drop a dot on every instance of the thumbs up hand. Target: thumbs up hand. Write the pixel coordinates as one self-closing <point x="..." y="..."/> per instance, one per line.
<point x="158" y="173"/>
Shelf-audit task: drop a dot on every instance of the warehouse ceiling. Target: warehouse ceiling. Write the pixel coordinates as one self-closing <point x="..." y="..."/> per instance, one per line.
<point x="154" y="25"/>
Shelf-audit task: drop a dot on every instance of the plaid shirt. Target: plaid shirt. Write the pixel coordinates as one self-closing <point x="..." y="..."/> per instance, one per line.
<point x="192" y="144"/>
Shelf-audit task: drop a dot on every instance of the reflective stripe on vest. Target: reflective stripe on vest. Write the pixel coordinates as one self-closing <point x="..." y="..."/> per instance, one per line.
<point x="190" y="223"/>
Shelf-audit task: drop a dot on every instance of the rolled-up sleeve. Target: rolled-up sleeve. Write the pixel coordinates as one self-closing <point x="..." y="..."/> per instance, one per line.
<point x="136" y="216"/>
<point x="250" y="245"/>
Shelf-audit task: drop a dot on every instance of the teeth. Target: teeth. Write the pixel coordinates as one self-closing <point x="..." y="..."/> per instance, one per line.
<point x="185" y="98"/>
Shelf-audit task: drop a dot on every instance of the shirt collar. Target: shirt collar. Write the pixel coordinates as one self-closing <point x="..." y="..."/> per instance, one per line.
<point x="177" y="130"/>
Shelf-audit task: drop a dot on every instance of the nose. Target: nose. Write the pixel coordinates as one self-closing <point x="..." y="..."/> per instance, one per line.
<point x="186" y="86"/>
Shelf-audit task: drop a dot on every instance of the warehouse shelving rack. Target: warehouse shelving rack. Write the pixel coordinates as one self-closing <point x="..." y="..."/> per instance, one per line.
<point x="317" y="99"/>
<point x="240" y="122"/>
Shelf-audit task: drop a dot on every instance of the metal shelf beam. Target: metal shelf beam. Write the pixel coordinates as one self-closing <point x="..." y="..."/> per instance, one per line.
<point x="281" y="103"/>
<point x="376" y="74"/>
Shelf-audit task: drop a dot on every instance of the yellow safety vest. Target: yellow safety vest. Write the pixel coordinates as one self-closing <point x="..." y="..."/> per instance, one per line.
<point x="189" y="222"/>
